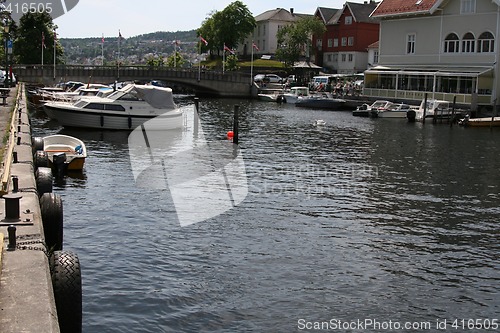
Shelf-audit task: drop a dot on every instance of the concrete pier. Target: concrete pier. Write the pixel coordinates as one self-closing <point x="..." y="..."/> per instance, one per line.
<point x="26" y="294"/>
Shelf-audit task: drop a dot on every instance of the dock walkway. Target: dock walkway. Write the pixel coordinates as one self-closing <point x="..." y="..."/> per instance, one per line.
<point x="26" y="294"/>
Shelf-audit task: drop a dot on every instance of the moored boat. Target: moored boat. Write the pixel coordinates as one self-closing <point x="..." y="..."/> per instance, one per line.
<point x="394" y="110"/>
<point x="65" y="149"/>
<point x="294" y="94"/>
<point x="124" y="109"/>
<point x="365" y="110"/>
<point x="321" y="101"/>
<point x="480" y="122"/>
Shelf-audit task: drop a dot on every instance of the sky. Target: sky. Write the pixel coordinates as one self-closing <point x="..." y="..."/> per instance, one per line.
<point x="94" y="18"/>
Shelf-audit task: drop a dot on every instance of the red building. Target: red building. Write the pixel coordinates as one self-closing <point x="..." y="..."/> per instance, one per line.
<point x="343" y="48"/>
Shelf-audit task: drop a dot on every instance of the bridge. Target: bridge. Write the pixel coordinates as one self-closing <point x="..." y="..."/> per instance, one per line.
<point x="202" y="82"/>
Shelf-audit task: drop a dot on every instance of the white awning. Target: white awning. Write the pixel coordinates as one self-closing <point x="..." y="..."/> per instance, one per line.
<point x="443" y="71"/>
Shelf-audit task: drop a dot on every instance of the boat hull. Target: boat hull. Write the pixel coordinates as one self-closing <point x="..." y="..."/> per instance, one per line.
<point x="73" y="148"/>
<point x="106" y="120"/>
<point x="483" y="122"/>
<point x="392" y="114"/>
<point x="320" y="103"/>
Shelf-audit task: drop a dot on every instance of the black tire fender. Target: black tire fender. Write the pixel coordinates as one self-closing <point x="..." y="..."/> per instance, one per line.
<point x="51" y="208"/>
<point x="44" y="180"/>
<point x="40" y="159"/>
<point x="37" y="144"/>
<point x="67" y="285"/>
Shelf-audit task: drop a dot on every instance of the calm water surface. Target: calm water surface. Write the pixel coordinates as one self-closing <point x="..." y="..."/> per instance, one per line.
<point x="359" y="219"/>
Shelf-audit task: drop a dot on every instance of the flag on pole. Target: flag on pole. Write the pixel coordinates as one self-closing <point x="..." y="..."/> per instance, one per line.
<point x="255" y="46"/>
<point x="43" y="40"/>
<point x="204" y="41"/>
<point x="120" y="35"/>
<point x="228" y="49"/>
<point x="102" y="39"/>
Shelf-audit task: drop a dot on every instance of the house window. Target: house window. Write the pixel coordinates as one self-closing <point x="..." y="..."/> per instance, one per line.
<point x="375" y="57"/>
<point x="344" y="41"/>
<point x="263" y="45"/>
<point x="329" y="57"/>
<point x="451" y="43"/>
<point x="350" y="57"/>
<point x="348" y="20"/>
<point x="410" y="43"/>
<point x="263" y="30"/>
<point x="330" y="42"/>
<point x="468" y="43"/>
<point x="319" y="43"/>
<point x="486" y="42"/>
<point x="335" y="42"/>
<point x="343" y="57"/>
<point x="335" y="57"/>
<point x="467" y="6"/>
<point x="350" y="41"/>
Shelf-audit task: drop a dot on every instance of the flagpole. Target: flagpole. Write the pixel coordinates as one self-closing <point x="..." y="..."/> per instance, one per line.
<point x="55" y="39"/>
<point x="102" y="50"/>
<point x="223" y="56"/>
<point x="175" y="53"/>
<point x="251" y="67"/>
<point x="199" y="62"/>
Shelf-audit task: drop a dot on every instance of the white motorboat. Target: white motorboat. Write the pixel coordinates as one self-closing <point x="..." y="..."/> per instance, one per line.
<point x="394" y="110"/>
<point x="124" y="109"/>
<point x="435" y="109"/>
<point x="366" y="110"/>
<point x="294" y="94"/>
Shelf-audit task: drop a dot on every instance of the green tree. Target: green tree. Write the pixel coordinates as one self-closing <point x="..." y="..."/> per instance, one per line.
<point x="176" y="60"/>
<point x="294" y="40"/>
<point x="155" y="62"/>
<point x="33" y="28"/>
<point x="231" y="63"/>
<point x="229" y="26"/>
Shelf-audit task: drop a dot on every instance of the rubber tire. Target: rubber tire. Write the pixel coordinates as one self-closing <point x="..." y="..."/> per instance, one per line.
<point x="40" y="159"/>
<point x="37" y="144"/>
<point x="67" y="285"/>
<point x="51" y="208"/>
<point x="44" y="180"/>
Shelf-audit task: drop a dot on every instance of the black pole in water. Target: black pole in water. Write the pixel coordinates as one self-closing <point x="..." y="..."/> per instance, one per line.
<point x="425" y="108"/>
<point x="196" y="119"/>
<point x="236" y="124"/>
<point x="453" y="110"/>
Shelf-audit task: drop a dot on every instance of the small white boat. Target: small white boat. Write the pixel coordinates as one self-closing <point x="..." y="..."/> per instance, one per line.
<point x="366" y="110"/>
<point x="480" y="122"/>
<point x="436" y="109"/>
<point x="394" y="110"/>
<point x="320" y="122"/>
<point x="73" y="148"/>
<point x="268" y="97"/>
<point x="124" y="109"/>
<point x="294" y="94"/>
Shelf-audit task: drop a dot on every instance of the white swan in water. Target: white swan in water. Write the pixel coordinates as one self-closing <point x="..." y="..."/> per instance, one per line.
<point x="320" y="122"/>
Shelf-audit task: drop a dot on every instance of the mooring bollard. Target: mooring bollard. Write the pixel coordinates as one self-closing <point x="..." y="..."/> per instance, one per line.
<point x="12" y="237"/>
<point x="14" y="156"/>
<point x="196" y="117"/>
<point x="12" y="211"/>
<point x="15" y="184"/>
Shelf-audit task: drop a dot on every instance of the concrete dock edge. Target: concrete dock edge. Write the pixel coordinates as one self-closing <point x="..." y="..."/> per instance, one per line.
<point x="26" y="294"/>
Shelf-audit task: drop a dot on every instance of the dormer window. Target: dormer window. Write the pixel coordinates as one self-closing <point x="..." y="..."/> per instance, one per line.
<point x="348" y="20"/>
<point x="467" y="6"/>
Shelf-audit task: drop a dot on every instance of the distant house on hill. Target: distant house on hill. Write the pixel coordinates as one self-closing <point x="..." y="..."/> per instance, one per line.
<point x="264" y="35"/>
<point x="344" y="47"/>
<point x="445" y="48"/>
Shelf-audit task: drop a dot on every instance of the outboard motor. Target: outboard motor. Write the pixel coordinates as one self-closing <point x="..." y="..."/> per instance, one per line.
<point x="59" y="163"/>
<point x="411" y="115"/>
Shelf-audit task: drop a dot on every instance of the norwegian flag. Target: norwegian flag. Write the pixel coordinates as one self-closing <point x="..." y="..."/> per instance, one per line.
<point x="204" y="41"/>
<point x="228" y="49"/>
<point x="255" y="46"/>
<point x="43" y="40"/>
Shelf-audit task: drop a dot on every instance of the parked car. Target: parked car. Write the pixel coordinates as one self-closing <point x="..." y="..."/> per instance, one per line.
<point x="268" y="78"/>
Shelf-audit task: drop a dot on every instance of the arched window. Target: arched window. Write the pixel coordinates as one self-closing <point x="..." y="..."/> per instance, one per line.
<point x="486" y="42"/>
<point x="468" y="43"/>
<point x="451" y="43"/>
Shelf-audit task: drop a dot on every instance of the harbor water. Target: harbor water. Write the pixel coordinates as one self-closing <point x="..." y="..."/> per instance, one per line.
<point x="348" y="225"/>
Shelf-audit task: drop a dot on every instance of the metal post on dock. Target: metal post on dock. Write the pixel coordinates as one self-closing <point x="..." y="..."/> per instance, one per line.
<point x="236" y="124"/>
<point x="493" y="113"/>
<point x="196" y="118"/>
<point x="425" y="108"/>
<point x="453" y="110"/>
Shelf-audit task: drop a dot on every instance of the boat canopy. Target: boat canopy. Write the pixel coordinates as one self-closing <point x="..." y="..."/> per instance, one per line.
<point x="157" y="97"/>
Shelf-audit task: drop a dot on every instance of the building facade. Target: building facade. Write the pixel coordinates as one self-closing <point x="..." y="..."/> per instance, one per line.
<point x="343" y="49"/>
<point x="448" y="49"/>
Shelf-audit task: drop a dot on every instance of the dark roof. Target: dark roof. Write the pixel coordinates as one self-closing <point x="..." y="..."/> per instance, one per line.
<point x="360" y="12"/>
<point x="326" y="13"/>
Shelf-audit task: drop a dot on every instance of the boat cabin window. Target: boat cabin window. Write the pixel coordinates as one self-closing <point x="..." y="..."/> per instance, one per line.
<point x="130" y="96"/>
<point x="101" y="106"/>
